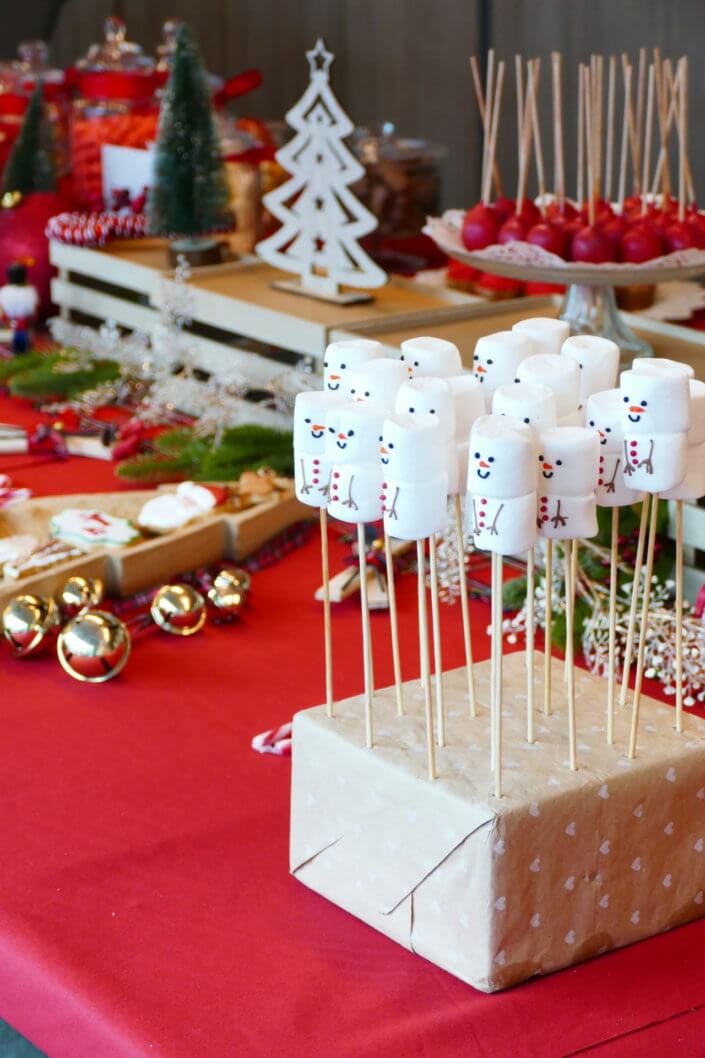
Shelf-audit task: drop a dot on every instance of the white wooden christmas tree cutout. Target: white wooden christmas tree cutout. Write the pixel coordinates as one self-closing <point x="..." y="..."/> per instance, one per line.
<point x="321" y="219"/>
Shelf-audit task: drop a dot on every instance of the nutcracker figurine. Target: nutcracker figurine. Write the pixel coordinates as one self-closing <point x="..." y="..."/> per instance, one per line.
<point x="19" y="301"/>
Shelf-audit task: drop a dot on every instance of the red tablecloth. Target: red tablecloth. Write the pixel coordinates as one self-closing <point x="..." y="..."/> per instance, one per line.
<point x="146" y="910"/>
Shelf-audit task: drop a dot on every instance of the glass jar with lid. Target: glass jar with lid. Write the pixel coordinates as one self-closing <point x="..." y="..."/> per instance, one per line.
<point x="116" y="103"/>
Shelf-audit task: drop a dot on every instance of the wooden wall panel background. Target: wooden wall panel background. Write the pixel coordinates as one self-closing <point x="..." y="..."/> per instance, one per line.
<point x="398" y="60"/>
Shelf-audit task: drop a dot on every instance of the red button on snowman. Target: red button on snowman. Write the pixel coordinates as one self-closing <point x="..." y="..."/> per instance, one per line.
<point x="501" y="488"/>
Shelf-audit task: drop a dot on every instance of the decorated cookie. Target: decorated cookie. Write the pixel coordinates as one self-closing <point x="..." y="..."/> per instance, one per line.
<point x="172" y="510"/>
<point x="88" y="529"/>
<point x="43" y="558"/>
<point x="16" y="549"/>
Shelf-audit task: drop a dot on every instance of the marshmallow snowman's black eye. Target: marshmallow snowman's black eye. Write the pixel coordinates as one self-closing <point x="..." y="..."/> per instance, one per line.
<point x="411" y="410"/>
<point x="325" y="363"/>
<point x="625" y="399"/>
<point x="477" y="455"/>
<point x="540" y="459"/>
<point x="580" y="366"/>
<point x="475" y="356"/>
<point x="352" y="390"/>
<point x="351" y="433"/>
<point x="380" y="439"/>
<point x="433" y="411"/>
<point x="527" y="420"/>
<point x="517" y="380"/>
<point x="591" y="423"/>
<point x="608" y="429"/>
<point x="559" y="462"/>
<point x="643" y="403"/>
<point x="401" y="357"/>
<point x="331" y="429"/>
<point x="416" y="363"/>
<point x="307" y="420"/>
<point x="390" y="445"/>
<point x="490" y="362"/>
<point x="367" y="392"/>
<point x="342" y="367"/>
<point x="490" y="459"/>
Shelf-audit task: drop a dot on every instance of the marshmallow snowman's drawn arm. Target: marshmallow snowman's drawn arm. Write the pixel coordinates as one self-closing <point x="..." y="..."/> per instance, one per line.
<point x="628" y="468"/>
<point x="392" y="512"/>
<point x="558" y="518"/>
<point x="610" y="486"/>
<point x="305" y="487"/>
<point x="350" y="502"/>
<point x="647" y="463"/>
<point x="475" y="527"/>
<point x="493" y="527"/>
<point x="325" y="489"/>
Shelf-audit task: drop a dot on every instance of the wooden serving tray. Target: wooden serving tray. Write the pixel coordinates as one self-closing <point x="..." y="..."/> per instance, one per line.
<point x="154" y="560"/>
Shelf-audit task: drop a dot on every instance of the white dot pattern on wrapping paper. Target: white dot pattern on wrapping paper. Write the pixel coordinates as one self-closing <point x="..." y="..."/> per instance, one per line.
<point x="534" y="809"/>
<point x="501" y="903"/>
<point x="570" y="937"/>
<point x="698" y="846"/>
<point x="671" y="774"/>
<point x="701" y="793"/>
<point x="635" y="917"/>
<point x="535" y="865"/>
<point x="639" y="811"/>
<point x="605" y="847"/>
<point x="668" y="829"/>
<point x="698" y="898"/>
<point x="636" y="864"/>
<point x="500" y="958"/>
<point x="604" y="901"/>
<point x="666" y="883"/>
<point x="604" y="792"/>
<point x="569" y="883"/>
<point x="499" y="847"/>
<point x="535" y="920"/>
<point x="570" y="829"/>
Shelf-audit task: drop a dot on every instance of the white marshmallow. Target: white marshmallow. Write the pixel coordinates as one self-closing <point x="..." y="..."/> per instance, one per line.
<point x="660" y="365"/>
<point x="597" y="360"/>
<point x="428" y="396"/>
<point x="568" y="461"/>
<point x="497" y="358"/>
<point x="655" y="401"/>
<point x="377" y="382"/>
<point x="574" y="418"/>
<point x="469" y="403"/>
<point x="534" y="405"/>
<point x="311" y="410"/>
<point x="502" y="458"/>
<point x="413" y="448"/>
<point x="356" y="492"/>
<point x="696" y="433"/>
<point x="425" y="357"/>
<point x="353" y="433"/>
<point x="504" y="526"/>
<point x="655" y="463"/>
<point x="344" y="357"/>
<point x="567" y="517"/>
<point x="415" y="510"/>
<point x="547" y="335"/>
<point x="692" y="487"/>
<point x="604" y="415"/>
<point x="559" y="373"/>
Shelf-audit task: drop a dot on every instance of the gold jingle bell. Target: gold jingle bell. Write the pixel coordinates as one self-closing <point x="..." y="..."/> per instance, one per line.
<point x="94" y="646"/>
<point x="79" y="594"/>
<point x="26" y="622"/>
<point x="238" y="577"/>
<point x="179" y="609"/>
<point x="227" y="592"/>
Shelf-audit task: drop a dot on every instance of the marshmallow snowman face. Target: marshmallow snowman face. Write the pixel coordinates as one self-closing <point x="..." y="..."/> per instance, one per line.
<point x="559" y="373"/>
<point x="412" y="447"/>
<point x="534" y="405"/>
<point x="502" y="458"/>
<point x="547" y="335"/>
<point x="657" y="402"/>
<point x="568" y="461"/>
<point x="603" y="413"/>
<point x="430" y="357"/>
<point x="597" y="360"/>
<point x="343" y="358"/>
<point x="428" y="396"/>
<point x="377" y="382"/>
<point x="311" y="411"/>
<point x="353" y="433"/>
<point x="497" y="358"/>
<point x="468" y="404"/>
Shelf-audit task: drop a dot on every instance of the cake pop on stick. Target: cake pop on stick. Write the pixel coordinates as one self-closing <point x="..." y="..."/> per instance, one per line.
<point x="342" y="358"/>
<point x="355" y="491"/>
<point x="497" y="358"/>
<point x="414" y="494"/>
<point x="312" y="469"/>
<point x="501" y="505"/>
<point x="604" y="415"/>
<point x="430" y="356"/>
<point x="568" y="463"/>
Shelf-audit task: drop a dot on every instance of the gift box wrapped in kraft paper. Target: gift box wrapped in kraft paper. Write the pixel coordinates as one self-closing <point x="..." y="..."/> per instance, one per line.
<point x="565" y="866"/>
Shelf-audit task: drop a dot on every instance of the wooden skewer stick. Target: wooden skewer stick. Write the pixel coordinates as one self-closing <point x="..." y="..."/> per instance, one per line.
<point x="627" y="77"/>
<point x="679" y="615"/>
<point x="631" y="127"/>
<point x="609" y="148"/>
<point x="489" y="91"/>
<point x="682" y="133"/>
<point x="569" y="633"/>
<point x="492" y="150"/>
<point x="530" y="637"/>
<point x="612" y="634"/>
<point x="590" y="143"/>
<point x="423" y="639"/>
<point x="646" y="161"/>
<point x="496" y="700"/>
<point x="519" y="77"/>
<point x="464" y="607"/>
<point x="547" y="706"/>
<point x="573" y="549"/>
<point x="525" y="142"/>
<point x="581" y="137"/>
<point x="643" y="631"/>
<point x="631" y="626"/>
<point x="480" y="96"/>
<point x="394" y="623"/>
<point x="662" y="166"/>
<point x="437" y="651"/>
<point x="639" y="121"/>
<point x="366" y="634"/>
<point x="327" y="633"/>
<point x="559" y="153"/>
<point x="536" y="133"/>
<point x="662" y="112"/>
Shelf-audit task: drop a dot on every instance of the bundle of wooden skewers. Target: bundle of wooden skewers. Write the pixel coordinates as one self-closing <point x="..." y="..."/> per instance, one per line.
<point x="650" y="218"/>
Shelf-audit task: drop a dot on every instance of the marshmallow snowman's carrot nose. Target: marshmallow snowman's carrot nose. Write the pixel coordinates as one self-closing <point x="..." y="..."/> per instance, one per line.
<point x="637" y="411"/>
<point x="384" y="451"/>
<point x="319" y="427"/>
<point x="334" y="378"/>
<point x="485" y="466"/>
<point x="341" y="436"/>
<point x="482" y="370"/>
<point x="548" y="466"/>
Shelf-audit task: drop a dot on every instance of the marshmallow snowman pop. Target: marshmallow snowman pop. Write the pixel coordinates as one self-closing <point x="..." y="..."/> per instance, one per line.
<point x="654" y="394"/>
<point x="535" y="406"/>
<point x="604" y="415"/>
<point x="430" y="358"/>
<point x="568" y="475"/>
<point x="345" y="357"/>
<point x="414" y="493"/>
<point x="501" y="506"/>
<point x="691" y="488"/>
<point x="497" y="358"/>
<point x="355" y="496"/>
<point x="469" y="405"/>
<point x="312" y="470"/>
<point x="421" y="397"/>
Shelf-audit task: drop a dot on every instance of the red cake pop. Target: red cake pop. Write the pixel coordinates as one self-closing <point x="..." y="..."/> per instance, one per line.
<point x="479" y="227"/>
<point x="549" y="236"/>
<point x="590" y="244"/>
<point x="641" y="243"/>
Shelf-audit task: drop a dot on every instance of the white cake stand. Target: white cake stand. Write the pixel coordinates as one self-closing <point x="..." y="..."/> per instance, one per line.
<point x="589" y="305"/>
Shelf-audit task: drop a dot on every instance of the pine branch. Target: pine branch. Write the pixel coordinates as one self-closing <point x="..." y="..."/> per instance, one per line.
<point x="52" y="383"/>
